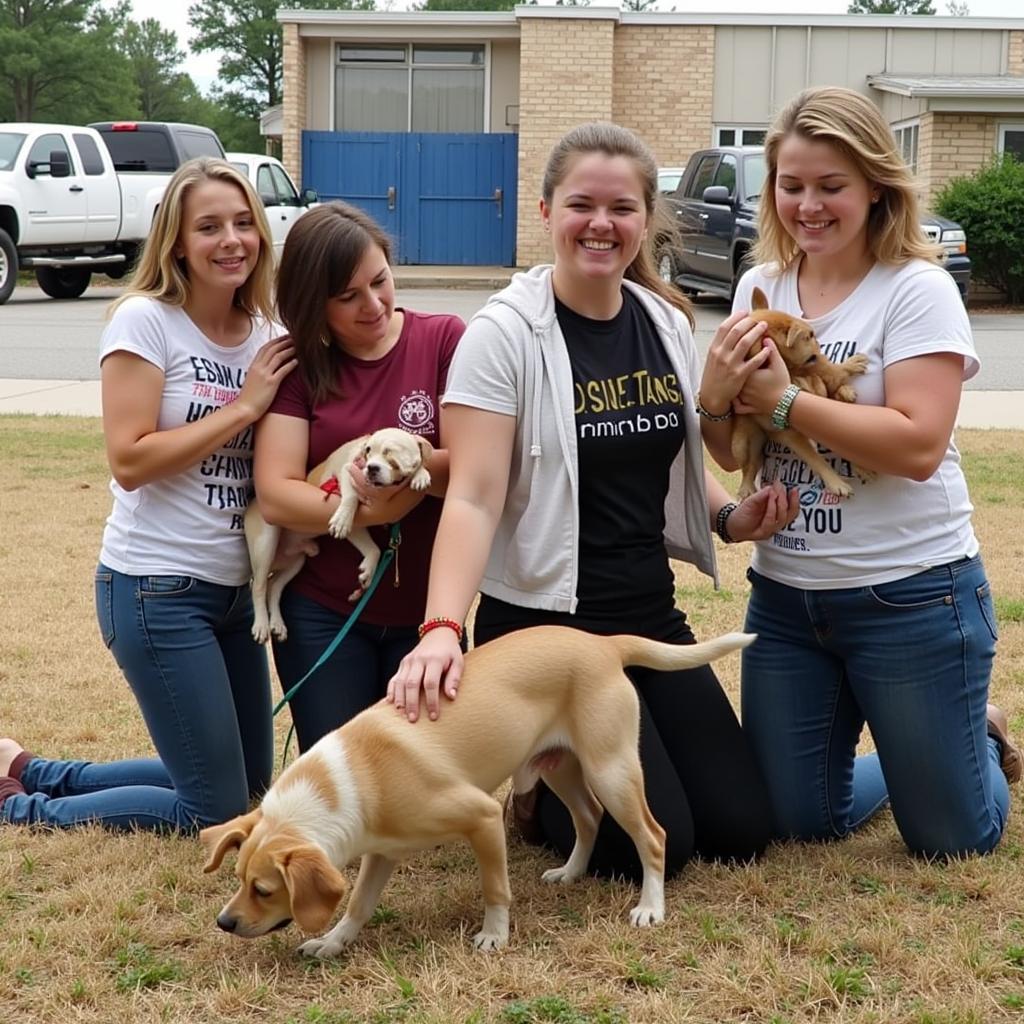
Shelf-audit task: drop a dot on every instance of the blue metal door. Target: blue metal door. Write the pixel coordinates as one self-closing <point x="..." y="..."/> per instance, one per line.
<point x="444" y="198"/>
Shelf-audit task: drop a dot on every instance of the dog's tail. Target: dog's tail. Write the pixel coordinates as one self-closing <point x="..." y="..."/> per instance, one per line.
<point x="636" y="650"/>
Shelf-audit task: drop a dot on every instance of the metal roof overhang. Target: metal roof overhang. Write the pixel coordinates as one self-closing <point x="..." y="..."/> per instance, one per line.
<point x="980" y="94"/>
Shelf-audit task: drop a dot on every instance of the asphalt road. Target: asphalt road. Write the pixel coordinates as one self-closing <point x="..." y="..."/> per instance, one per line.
<point x="48" y="339"/>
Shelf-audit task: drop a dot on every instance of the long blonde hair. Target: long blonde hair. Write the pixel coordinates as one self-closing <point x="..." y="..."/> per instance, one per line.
<point x="854" y="126"/>
<point x="159" y="274"/>
<point x="662" y="232"/>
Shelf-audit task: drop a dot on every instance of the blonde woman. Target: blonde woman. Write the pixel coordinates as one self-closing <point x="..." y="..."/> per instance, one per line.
<point x="188" y="364"/>
<point x="873" y="609"/>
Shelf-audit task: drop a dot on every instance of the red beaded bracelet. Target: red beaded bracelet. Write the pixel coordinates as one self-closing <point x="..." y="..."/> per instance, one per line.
<point x="440" y="622"/>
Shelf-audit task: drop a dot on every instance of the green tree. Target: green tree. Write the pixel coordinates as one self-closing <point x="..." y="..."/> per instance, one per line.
<point x="465" y="5"/>
<point x="890" y="7"/>
<point x="165" y="92"/>
<point x="59" y="60"/>
<point x="989" y="206"/>
<point x="249" y="36"/>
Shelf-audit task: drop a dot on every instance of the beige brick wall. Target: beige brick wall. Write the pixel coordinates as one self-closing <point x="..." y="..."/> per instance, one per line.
<point x="565" y="78"/>
<point x="664" y="77"/>
<point x="957" y="145"/>
<point x="1015" y="64"/>
<point x="294" y="101"/>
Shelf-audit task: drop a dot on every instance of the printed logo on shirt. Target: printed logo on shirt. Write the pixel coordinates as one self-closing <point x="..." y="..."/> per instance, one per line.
<point x="595" y="400"/>
<point x="227" y="473"/>
<point x="416" y="412"/>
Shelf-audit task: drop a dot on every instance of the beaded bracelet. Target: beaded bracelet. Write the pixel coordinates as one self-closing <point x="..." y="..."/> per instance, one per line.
<point x="780" y="414"/>
<point x="710" y="416"/>
<point x="722" y="518"/>
<point x="440" y="622"/>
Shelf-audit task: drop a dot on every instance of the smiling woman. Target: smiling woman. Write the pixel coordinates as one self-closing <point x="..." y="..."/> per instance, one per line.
<point x="576" y="472"/>
<point x="187" y="367"/>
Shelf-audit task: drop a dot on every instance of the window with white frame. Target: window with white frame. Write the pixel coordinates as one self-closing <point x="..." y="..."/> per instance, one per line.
<point x="906" y="135"/>
<point x="739" y="135"/>
<point x="1011" y="139"/>
<point x="404" y="87"/>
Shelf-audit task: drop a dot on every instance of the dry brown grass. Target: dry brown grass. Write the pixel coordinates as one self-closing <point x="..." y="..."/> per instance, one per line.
<point x="100" y="927"/>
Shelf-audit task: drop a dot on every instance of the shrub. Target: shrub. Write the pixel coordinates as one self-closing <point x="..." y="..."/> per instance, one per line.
<point x="990" y="208"/>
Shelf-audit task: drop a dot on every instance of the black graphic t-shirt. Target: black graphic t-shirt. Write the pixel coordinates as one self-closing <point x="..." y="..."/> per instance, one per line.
<point x="629" y="428"/>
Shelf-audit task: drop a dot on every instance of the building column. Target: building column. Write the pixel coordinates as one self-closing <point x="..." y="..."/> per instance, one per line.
<point x="293" y="101"/>
<point x="566" y="66"/>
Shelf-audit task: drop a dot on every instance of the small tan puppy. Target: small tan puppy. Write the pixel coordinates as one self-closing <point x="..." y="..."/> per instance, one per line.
<point x="381" y="789"/>
<point x="390" y="456"/>
<point x="810" y="370"/>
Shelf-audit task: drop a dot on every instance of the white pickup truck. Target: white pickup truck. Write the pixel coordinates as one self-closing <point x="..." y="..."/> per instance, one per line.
<point x="78" y="200"/>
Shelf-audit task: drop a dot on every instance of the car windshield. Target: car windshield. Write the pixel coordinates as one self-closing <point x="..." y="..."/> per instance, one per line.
<point x="10" y="143"/>
<point x="668" y="181"/>
<point x="754" y="173"/>
<point x="244" y="168"/>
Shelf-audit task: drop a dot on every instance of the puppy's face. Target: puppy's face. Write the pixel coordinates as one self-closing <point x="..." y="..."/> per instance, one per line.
<point x="392" y="456"/>
<point x="794" y="338"/>
<point x="282" y="878"/>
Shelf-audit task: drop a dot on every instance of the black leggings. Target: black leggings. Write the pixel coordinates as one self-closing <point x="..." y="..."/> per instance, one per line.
<point x="701" y="781"/>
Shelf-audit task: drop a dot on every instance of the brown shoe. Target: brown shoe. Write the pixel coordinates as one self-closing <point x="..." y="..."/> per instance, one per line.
<point x="521" y="817"/>
<point x="1012" y="761"/>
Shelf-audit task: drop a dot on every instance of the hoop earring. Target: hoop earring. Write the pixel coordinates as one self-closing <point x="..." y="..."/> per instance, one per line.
<point x="325" y="340"/>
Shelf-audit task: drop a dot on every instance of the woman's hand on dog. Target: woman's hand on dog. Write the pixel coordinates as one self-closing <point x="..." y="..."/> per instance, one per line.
<point x="436" y="658"/>
<point x="729" y="364"/>
<point x="764" y="513"/>
<point x="764" y="386"/>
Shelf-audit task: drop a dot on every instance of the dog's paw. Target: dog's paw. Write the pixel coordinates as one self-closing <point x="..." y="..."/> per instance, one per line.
<point x="840" y="488"/>
<point x="420" y="480"/>
<point x="845" y="393"/>
<point x="856" y="364"/>
<point x="325" y="948"/>
<point x="261" y="631"/>
<point x="340" y="524"/>
<point x="488" y="942"/>
<point x="643" y="917"/>
<point x="367" y="567"/>
<point x="278" y="629"/>
<point x="560" y="876"/>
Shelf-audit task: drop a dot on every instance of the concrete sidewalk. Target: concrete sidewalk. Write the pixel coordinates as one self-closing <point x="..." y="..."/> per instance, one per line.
<point x="984" y="409"/>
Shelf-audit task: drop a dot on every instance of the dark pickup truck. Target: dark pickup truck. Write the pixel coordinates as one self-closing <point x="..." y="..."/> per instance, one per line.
<point x="715" y="205"/>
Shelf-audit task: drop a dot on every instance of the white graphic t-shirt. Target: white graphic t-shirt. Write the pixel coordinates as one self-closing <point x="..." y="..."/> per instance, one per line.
<point x="189" y="524"/>
<point x="891" y="527"/>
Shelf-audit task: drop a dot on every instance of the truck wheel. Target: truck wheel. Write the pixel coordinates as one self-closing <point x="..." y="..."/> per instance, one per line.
<point x="743" y="264"/>
<point x="8" y="266"/>
<point x="63" y="282"/>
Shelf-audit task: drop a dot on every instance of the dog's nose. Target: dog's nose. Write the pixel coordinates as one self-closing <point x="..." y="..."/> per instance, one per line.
<point x="372" y="471"/>
<point x="227" y="922"/>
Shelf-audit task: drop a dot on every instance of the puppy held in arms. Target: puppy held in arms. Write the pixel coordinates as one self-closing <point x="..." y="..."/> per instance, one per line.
<point x="381" y="788"/>
<point x="389" y="456"/>
<point x="810" y="370"/>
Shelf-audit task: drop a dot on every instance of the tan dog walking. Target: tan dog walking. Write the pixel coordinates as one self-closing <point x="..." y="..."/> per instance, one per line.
<point x="381" y="789"/>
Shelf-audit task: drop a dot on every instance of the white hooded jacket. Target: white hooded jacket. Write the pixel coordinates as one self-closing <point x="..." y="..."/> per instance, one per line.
<point x="513" y="360"/>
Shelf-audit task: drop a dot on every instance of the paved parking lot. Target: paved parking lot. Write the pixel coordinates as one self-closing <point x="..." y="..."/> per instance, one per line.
<point x="45" y="343"/>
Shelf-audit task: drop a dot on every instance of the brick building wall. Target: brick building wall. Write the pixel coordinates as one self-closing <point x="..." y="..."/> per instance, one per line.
<point x="566" y="69"/>
<point x="959" y="144"/>
<point x="663" y="83"/>
<point x="1015" y="64"/>
<point x="293" y="101"/>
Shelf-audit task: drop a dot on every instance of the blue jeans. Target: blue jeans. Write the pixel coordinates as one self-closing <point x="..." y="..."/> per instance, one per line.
<point x="203" y="686"/>
<point x="354" y="677"/>
<point x="912" y="659"/>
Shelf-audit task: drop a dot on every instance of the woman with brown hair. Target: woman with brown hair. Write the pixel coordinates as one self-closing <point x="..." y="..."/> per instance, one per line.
<point x="576" y="473"/>
<point x="363" y="364"/>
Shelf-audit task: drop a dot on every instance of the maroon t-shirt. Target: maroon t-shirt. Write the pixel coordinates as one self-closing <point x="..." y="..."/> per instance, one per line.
<point x="401" y="389"/>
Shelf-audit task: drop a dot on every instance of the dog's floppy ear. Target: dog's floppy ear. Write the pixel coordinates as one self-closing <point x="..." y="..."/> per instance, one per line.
<point x="425" y="447"/>
<point x="218" y="839"/>
<point x="758" y="299"/>
<point x="797" y="333"/>
<point x="315" y="885"/>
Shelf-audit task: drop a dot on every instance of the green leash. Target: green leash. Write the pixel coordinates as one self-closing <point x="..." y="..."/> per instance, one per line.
<point x="386" y="559"/>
